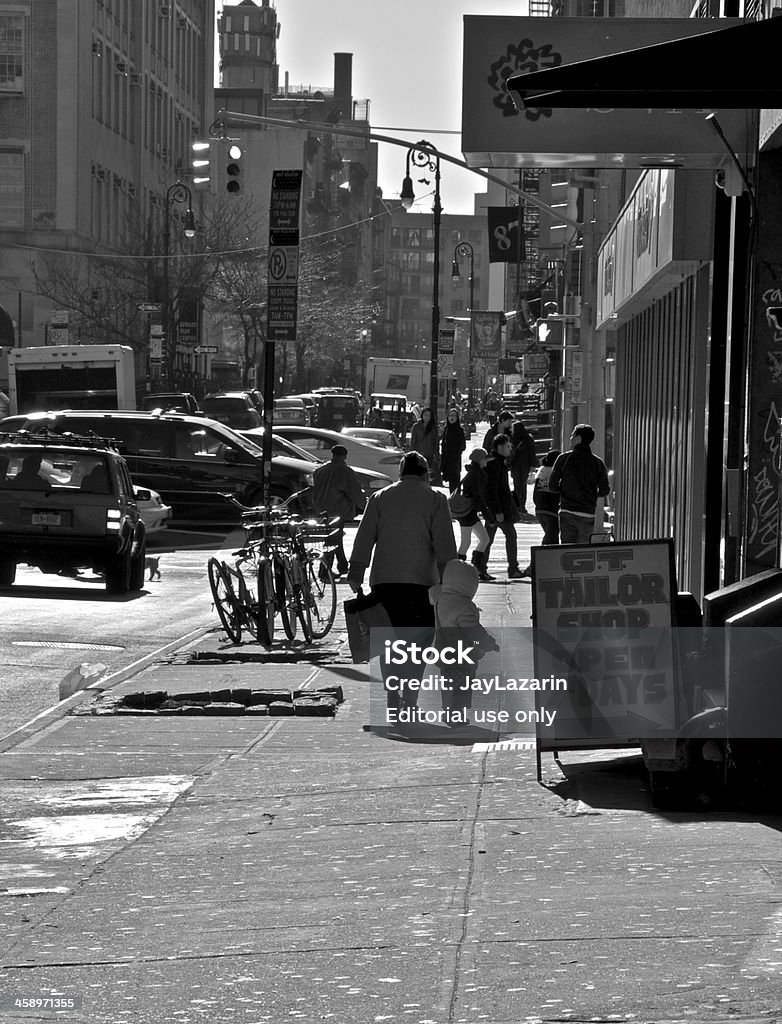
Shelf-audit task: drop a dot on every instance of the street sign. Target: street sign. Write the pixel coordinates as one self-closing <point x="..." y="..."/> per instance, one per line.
<point x="58" y="335"/>
<point x="150" y="307"/>
<point x="206" y="350"/>
<point x="59" y="318"/>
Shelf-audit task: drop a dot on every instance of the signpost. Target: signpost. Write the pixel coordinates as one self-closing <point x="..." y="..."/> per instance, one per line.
<point x="282" y="294"/>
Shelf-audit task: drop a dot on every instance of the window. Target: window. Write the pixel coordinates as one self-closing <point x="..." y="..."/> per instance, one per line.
<point x="11" y="39"/>
<point x="11" y="189"/>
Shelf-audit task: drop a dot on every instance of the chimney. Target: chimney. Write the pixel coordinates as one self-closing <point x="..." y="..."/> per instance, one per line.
<point x="343" y="84"/>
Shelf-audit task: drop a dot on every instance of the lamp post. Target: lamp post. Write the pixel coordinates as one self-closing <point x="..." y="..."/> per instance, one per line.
<point x="176" y="193"/>
<point x="426" y="158"/>
<point x="464" y="250"/>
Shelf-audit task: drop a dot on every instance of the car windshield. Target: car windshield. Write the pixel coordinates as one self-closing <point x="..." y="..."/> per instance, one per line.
<point x="53" y="469"/>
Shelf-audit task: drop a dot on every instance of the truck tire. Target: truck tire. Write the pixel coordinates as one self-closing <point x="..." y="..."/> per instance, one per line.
<point x="7" y="572"/>
<point x="118" y="574"/>
<point x="137" y="566"/>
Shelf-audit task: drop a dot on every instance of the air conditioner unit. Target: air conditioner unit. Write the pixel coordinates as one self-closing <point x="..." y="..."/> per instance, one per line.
<point x="121" y="67"/>
<point x="97" y="48"/>
<point x="181" y="21"/>
<point x="164" y="10"/>
<point x="135" y="79"/>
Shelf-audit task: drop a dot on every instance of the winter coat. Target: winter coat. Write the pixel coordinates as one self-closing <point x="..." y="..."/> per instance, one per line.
<point x="456" y="614"/>
<point x="408" y="527"/>
<point x="336" y="490"/>
<point x="580" y="478"/>
<point x="499" y="498"/>
<point x="426" y="444"/>
<point x="452" y="444"/>
<point x="523" y="457"/>
<point x="544" y="499"/>
<point x="475" y="486"/>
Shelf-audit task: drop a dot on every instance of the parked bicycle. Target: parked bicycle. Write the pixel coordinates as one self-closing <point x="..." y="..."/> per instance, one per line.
<point x="280" y="570"/>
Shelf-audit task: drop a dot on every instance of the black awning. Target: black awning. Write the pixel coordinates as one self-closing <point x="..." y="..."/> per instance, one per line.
<point x="729" y="68"/>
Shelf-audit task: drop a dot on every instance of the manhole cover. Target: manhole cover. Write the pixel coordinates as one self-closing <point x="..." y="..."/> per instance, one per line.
<point x="66" y="645"/>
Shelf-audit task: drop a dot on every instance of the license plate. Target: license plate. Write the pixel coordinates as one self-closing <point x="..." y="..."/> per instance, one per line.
<point x="46" y="519"/>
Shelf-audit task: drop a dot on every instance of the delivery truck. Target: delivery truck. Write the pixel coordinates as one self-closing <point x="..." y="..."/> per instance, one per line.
<point x="408" y="377"/>
<point x="53" y="377"/>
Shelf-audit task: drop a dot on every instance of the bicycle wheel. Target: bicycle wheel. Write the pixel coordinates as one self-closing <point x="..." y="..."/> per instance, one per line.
<point x="321" y="593"/>
<point x="266" y="602"/>
<point x="225" y="599"/>
<point x="286" y="599"/>
<point x="248" y="606"/>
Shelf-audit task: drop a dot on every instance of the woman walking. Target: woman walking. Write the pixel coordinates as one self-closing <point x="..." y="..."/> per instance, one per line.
<point x="474" y="487"/>
<point x="452" y="444"/>
<point x="424" y="440"/>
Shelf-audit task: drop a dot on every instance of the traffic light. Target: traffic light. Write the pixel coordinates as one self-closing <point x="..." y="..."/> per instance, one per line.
<point x="204" y="164"/>
<point x="234" y="183"/>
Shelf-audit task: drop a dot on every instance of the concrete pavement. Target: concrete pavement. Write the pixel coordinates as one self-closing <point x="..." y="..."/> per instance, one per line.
<point x="228" y="869"/>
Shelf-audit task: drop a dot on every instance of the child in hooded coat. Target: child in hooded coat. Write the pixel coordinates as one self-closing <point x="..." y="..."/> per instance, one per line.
<point x="457" y="617"/>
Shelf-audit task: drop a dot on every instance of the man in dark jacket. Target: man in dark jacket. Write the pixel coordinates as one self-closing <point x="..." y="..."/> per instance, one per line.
<point x="522" y="455"/>
<point x="501" y="504"/>
<point x="337" y="491"/>
<point x="581" y="478"/>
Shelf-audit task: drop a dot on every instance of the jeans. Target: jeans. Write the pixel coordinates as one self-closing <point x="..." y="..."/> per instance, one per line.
<point x="575" y="529"/>
<point x="337" y="542"/>
<point x="511" y="542"/>
<point x="550" y="523"/>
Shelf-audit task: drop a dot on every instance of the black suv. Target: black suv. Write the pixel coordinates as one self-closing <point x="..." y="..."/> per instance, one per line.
<point x="67" y="502"/>
<point x="191" y="461"/>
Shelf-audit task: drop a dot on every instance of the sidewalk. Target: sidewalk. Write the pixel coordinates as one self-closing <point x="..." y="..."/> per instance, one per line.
<point x="225" y="869"/>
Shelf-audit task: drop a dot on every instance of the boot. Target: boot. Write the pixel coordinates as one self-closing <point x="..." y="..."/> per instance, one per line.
<point x="461" y="557"/>
<point x="479" y="560"/>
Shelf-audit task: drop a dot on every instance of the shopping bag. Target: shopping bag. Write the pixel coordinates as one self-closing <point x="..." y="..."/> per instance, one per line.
<point x="362" y="613"/>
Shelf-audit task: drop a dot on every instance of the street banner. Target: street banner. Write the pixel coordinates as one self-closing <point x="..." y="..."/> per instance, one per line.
<point x="506" y="234"/>
<point x="603" y="618"/>
<point x="487" y="333"/>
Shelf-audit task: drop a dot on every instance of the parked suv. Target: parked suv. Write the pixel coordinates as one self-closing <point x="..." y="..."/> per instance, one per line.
<point x="190" y="461"/>
<point x="233" y="408"/>
<point x="67" y="502"/>
<point x="175" y="401"/>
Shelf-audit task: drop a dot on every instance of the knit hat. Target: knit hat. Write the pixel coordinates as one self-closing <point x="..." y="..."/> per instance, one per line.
<point x="477" y="454"/>
<point x="413" y="464"/>
<point x="339" y="450"/>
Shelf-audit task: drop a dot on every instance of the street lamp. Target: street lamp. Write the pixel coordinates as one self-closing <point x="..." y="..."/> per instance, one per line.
<point x="176" y="193"/>
<point x="464" y="250"/>
<point x="425" y="157"/>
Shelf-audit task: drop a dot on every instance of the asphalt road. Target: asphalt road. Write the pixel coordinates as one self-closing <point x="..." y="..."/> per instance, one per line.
<point x="52" y="624"/>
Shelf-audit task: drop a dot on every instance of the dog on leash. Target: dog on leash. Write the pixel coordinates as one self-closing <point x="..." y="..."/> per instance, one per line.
<point x="153" y="564"/>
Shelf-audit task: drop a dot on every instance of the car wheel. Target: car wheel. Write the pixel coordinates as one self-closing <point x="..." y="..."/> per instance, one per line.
<point x="136" y="581"/>
<point x="7" y="572"/>
<point x="118" y="574"/>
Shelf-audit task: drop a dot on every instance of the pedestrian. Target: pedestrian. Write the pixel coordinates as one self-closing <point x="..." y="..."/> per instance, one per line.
<point x="452" y="444"/>
<point x="475" y="487"/>
<point x="523" y="459"/>
<point x="406" y="534"/>
<point x="457" y="617"/>
<point x="581" y="478"/>
<point x="547" y="501"/>
<point x="336" y="490"/>
<point x="501" y="504"/>
<point x="425" y="440"/>
<point x="504" y="425"/>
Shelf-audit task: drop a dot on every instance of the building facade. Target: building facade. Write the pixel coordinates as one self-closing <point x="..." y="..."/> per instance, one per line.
<point x="92" y="136"/>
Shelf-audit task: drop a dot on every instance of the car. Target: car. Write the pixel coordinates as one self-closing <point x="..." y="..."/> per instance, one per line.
<point x="319" y="441"/>
<point x="337" y="408"/>
<point x="192" y="461"/>
<point x="292" y="411"/>
<point x="377" y="435"/>
<point x="176" y="401"/>
<point x="68" y="503"/>
<point x="154" y="513"/>
<point x="370" y="480"/>
<point x="233" y="408"/>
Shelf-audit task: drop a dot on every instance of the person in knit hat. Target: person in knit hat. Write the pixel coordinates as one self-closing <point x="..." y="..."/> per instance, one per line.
<point x="457" y="617"/>
<point x="471" y="525"/>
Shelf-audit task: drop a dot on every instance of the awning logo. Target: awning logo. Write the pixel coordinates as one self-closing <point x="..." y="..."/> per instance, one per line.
<point x="523" y="58"/>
